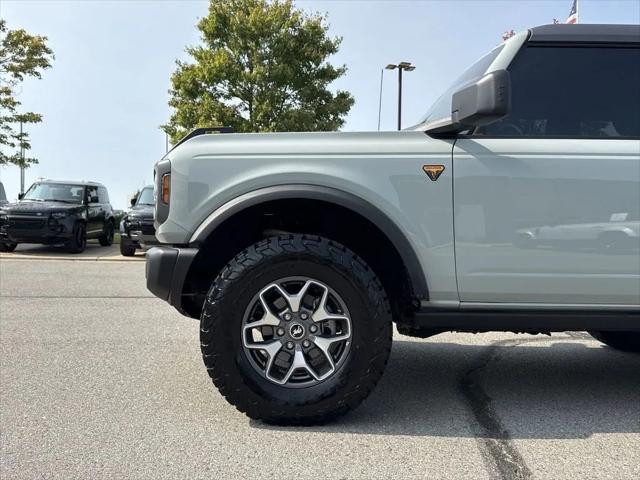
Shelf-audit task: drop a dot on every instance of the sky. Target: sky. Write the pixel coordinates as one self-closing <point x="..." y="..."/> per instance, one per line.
<point x="106" y="94"/>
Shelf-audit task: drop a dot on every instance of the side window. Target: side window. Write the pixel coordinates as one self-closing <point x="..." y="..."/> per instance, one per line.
<point x="92" y="194"/>
<point x="104" y="196"/>
<point x="573" y="92"/>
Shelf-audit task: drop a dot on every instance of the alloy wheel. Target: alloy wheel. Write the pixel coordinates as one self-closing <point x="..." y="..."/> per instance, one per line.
<point x="296" y="332"/>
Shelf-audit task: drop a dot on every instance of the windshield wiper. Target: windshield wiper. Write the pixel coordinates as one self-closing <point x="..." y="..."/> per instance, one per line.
<point x="58" y="200"/>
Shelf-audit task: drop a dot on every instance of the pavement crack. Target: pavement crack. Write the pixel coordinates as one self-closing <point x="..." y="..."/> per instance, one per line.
<point x="495" y="441"/>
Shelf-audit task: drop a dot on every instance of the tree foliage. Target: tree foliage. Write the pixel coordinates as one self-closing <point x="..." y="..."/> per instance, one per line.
<point x="21" y="55"/>
<point x="262" y="66"/>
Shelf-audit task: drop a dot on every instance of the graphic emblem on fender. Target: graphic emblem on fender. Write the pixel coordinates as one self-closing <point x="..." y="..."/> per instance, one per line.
<point x="433" y="171"/>
<point x="296" y="331"/>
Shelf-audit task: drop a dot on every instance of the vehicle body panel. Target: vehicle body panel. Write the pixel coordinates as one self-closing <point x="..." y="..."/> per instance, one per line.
<point x="504" y="187"/>
<point x="383" y="169"/>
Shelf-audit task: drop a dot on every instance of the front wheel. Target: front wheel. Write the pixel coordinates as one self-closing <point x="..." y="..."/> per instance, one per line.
<point x="78" y="241"/>
<point x="127" y="249"/>
<point x="296" y="330"/>
<point x="8" y="246"/>
<point x="625" y="341"/>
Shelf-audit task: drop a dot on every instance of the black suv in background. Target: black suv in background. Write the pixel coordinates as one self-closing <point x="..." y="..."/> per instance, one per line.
<point x="136" y="228"/>
<point x="54" y="212"/>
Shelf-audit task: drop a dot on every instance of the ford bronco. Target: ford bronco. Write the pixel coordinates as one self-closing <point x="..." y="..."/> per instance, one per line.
<point x="297" y="251"/>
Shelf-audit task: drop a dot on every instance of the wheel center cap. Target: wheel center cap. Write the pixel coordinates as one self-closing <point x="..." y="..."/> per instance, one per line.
<point x="296" y="331"/>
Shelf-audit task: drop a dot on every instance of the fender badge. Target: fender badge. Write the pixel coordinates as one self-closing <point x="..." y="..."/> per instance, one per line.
<point x="433" y="171"/>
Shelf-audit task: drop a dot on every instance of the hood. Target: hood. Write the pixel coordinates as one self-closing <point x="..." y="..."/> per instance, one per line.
<point x="141" y="211"/>
<point x="26" y="207"/>
<point x="306" y="143"/>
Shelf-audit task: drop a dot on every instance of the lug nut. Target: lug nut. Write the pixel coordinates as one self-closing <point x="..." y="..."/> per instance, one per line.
<point x="280" y="332"/>
<point x="306" y="344"/>
<point x="287" y="316"/>
<point x="290" y="345"/>
<point x="304" y="315"/>
<point x="313" y="329"/>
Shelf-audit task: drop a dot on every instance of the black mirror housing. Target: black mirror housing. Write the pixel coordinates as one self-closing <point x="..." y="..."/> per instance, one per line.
<point x="20" y="196"/>
<point x="133" y="201"/>
<point x="482" y="102"/>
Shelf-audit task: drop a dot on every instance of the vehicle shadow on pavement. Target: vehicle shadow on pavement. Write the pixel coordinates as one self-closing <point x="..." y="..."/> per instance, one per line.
<point x="93" y="251"/>
<point x="562" y="389"/>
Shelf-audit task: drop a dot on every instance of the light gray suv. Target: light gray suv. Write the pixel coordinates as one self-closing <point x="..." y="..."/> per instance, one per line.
<point x="297" y="251"/>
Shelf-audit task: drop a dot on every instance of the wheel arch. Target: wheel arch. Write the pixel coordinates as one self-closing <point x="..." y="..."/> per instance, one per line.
<point x="330" y="195"/>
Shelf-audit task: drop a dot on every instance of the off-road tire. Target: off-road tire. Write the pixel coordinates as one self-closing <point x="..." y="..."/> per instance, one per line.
<point x="127" y="249"/>
<point x="106" y="239"/>
<point x="624" y="341"/>
<point x="8" y="246"/>
<point x="78" y="241"/>
<point x="241" y="279"/>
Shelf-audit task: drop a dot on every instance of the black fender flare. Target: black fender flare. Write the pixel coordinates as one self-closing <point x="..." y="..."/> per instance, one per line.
<point x="330" y="195"/>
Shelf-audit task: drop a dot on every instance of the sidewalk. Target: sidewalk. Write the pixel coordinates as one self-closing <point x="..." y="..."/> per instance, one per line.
<point x="94" y="252"/>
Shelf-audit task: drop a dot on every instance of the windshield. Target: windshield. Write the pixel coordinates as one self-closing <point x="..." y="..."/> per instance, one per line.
<point x="145" y="197"/>
<point x="442" y="108"/>
<point x="58" y="192"/>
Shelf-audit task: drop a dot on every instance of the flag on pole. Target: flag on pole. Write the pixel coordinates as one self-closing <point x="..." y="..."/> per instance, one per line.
<point x="573" y="14"/>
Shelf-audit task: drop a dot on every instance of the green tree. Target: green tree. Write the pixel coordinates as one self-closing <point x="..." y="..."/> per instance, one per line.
<point x="21" y="55"/>
<point x="262" y="66"/>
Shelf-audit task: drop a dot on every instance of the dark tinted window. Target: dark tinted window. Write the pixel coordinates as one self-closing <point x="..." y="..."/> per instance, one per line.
<point x="573" y="92"/>
<point x="103" y="195"/>
<point x="91" y="193"/>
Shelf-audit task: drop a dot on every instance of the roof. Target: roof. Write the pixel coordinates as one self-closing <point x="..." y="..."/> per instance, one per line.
<point x="585" y="33"/>
<point x="69" y="182"/>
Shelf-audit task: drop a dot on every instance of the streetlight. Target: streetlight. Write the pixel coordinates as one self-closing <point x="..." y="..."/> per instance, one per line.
<point x="400" y="66"/>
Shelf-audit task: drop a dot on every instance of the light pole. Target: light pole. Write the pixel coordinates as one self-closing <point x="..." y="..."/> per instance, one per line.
<point x="380" y="97"/>
<point x="22" y="161"/>
<point x="400" y="66"/>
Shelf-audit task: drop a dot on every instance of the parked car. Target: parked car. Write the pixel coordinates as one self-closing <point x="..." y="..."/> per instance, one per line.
<point x="55" y="212"/>
<point x="297" y="251"/>
<point x="136" y="228"/>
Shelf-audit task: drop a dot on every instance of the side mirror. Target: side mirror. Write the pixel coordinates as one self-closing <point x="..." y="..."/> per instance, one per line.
<point x="133" y="201"/>
<point x="482" y="102"/>
<point x="20" y="196"/>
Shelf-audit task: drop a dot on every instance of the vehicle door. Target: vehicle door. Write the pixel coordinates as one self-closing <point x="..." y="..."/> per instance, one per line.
<point x="104" y="205"/>
<point x="565" y="160"/>
<point x="95" y="214"/>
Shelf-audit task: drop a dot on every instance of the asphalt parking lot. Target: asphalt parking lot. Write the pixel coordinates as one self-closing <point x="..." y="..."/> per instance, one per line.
<point x="101" y="380"/>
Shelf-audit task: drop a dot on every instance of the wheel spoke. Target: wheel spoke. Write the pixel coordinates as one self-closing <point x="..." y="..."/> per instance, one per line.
<point x="291" y="299"/>
<point x="268" y="318"/>
<point x="299" y="361"/>
<point x="324" y="343"/>
<point x="321" y="314"/>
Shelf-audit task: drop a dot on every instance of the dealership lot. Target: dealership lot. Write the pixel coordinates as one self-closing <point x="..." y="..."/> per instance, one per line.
<point x="101" y="380"/>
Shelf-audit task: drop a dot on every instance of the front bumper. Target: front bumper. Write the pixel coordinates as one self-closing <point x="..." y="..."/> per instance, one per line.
<point x="36" y="229"/>
<point x="166" y="271"/>
<point x="142" y="233"/>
